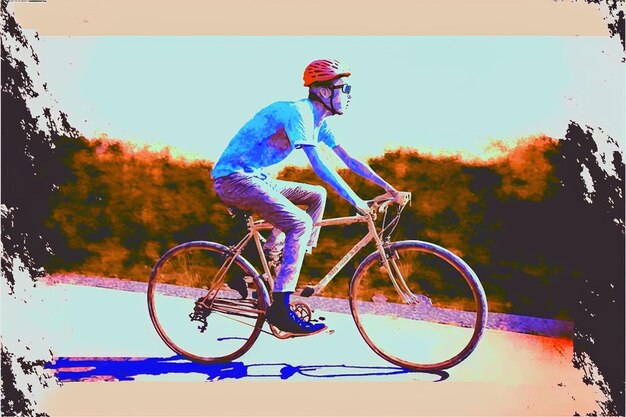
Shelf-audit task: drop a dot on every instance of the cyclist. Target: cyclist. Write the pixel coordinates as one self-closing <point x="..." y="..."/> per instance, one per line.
<point x="267" y="139"/>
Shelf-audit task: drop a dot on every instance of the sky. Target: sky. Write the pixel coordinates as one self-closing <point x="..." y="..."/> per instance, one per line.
<point x="441" y="94"/>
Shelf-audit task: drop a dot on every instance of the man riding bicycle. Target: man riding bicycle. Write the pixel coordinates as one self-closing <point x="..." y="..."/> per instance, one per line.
<point x="267" y="139"/>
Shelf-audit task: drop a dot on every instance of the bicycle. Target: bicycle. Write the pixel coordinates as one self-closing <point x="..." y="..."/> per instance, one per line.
<point x="403" y="297"/>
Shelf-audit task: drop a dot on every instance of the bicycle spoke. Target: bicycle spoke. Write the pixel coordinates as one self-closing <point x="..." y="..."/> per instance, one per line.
<point x="218" y="281"/>
<point x="406" y="292"/>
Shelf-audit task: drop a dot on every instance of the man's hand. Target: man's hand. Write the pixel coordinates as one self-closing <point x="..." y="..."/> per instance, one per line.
<point x="399" y="197"/>
<point x="393" y="193"/>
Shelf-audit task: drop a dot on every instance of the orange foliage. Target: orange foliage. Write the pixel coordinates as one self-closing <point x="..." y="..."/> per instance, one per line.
<point x="126" y="205"/>
<point x="523" y="164"/>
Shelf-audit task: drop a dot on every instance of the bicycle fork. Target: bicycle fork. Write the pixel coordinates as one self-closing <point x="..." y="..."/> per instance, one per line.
<point x="388" y="259"/>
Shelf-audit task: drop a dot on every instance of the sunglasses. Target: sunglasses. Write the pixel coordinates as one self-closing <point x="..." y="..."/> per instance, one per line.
<point x="345" y="88"/>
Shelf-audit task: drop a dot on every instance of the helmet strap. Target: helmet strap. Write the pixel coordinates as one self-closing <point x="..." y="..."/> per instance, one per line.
<point x="331" y="108"/>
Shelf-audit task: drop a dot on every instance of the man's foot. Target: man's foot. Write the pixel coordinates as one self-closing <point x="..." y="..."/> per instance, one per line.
<point x="238" y="284"/>
<point x="287" y="321"/>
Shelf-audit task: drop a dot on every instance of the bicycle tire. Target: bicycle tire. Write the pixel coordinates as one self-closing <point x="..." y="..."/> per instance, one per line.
<point x="444" y="324"/>
<point x="180" y="278"/>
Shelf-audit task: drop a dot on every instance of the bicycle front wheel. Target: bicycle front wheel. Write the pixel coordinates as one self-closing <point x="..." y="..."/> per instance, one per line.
<point x="427" y="315"/>
<point x="204" y="304"/>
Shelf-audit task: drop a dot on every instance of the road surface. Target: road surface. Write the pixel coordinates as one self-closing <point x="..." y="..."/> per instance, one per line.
<point x="104" y="339"/>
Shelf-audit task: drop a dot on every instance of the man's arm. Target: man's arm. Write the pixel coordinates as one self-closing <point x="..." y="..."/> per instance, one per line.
<point x="363" y="170"/>
<point x="331" y="177"/>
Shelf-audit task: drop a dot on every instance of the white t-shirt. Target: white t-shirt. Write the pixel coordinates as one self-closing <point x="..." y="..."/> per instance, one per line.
<point x="270" y="136"/>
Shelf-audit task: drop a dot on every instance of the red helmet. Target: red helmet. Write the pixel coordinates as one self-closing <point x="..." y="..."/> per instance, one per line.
<point x="324" y="70"/>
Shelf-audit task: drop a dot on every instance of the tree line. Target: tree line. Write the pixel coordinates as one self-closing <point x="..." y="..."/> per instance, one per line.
<point x="121" y="207"/>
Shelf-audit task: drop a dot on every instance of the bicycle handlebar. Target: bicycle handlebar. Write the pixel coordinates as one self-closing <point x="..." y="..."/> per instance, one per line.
<point x="383" y="201"/>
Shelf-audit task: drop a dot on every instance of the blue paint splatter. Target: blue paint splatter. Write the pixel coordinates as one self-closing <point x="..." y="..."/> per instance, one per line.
<point x="69" y="369"/>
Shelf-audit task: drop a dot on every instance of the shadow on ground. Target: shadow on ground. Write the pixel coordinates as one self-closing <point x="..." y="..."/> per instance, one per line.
<point x="71" y="369"/>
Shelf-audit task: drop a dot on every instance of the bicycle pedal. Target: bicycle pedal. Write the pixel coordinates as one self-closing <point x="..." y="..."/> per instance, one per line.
<point x="307" y="292"/>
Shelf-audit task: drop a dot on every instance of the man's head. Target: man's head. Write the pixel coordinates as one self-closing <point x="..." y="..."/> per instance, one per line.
<point x="326" y="79"/>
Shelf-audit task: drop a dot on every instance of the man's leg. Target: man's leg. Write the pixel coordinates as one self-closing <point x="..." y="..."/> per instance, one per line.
<point x="311" y="196"/>
<point x="274" y="242"/>
<point x="251" y="193"/>
<point x="262" y="196"/>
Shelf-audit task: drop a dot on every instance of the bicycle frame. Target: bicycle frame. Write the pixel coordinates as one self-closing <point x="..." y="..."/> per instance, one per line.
<point x="255" y="226"/>
<point x="226" y="297"/>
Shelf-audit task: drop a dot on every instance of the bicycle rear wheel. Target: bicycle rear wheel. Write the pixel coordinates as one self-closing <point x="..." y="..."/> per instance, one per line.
<point x="196" y="312"/>
<point x="435" y="316"/>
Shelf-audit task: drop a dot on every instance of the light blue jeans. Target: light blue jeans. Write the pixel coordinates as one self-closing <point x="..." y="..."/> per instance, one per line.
<point x="275" y="201"/>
